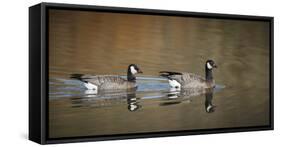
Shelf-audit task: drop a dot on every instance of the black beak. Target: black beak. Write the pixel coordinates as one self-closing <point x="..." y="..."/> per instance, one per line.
<point x="215" y="66"/>
<point x="139" y="71"/>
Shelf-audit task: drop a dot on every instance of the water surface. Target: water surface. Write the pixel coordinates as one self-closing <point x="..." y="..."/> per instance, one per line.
<point x="106" y="43"/>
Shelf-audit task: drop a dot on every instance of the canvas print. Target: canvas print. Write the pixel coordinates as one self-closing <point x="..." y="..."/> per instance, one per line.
<point x="125" y="73"/>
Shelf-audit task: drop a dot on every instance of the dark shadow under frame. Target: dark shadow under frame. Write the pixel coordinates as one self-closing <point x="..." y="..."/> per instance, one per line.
<point x="38" y="72"/>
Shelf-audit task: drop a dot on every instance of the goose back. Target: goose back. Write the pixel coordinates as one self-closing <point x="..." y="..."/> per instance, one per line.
<point x="189" y="80"/>
<point x="108" y="82"/>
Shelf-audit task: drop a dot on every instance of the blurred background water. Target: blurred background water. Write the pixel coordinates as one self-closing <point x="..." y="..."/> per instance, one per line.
<point x="106" y="43"/>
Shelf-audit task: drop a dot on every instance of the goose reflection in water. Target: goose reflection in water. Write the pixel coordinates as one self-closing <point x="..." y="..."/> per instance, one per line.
<point x="107" y="99"/>
<point x="209" y="107"/>
<point x="132" y="101"/>
<point x="177" y="97"/>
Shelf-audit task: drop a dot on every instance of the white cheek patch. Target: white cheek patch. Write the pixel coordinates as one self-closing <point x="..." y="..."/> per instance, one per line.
<point x="174" y="84"/>
<point x="133" y="70"/>
<point x="209" y="66"/>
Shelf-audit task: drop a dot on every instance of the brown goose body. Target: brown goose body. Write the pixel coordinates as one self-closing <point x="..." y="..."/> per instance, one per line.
<point x="104" y="82"/>
<point x="112" y="82"/>
<point x="191" y="80"/>
<point x="187" y="80"/>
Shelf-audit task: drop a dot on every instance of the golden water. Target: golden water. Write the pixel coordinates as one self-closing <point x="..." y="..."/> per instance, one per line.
<point x="106" y="43"/>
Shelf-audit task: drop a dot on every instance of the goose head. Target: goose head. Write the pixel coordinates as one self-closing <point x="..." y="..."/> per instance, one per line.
<point x="134" y="69"/>
<point x="210" y="64"/>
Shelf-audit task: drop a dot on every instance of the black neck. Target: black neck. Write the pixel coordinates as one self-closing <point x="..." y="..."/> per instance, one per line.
<point x="209" y="74"/>
<point x="130" y="76"/>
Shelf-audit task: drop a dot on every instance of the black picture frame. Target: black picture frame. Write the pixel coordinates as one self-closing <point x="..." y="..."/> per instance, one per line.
<point x="38" y="72"/>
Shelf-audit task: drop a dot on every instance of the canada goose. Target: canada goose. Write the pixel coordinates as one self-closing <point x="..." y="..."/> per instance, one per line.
<point x="189" y="80"/>
<point x="113" y="82"/>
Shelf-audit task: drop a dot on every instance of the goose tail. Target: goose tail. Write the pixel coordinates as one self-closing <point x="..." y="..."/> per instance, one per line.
<point x="168" y="74"/>
<point x="79" y="77"/>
